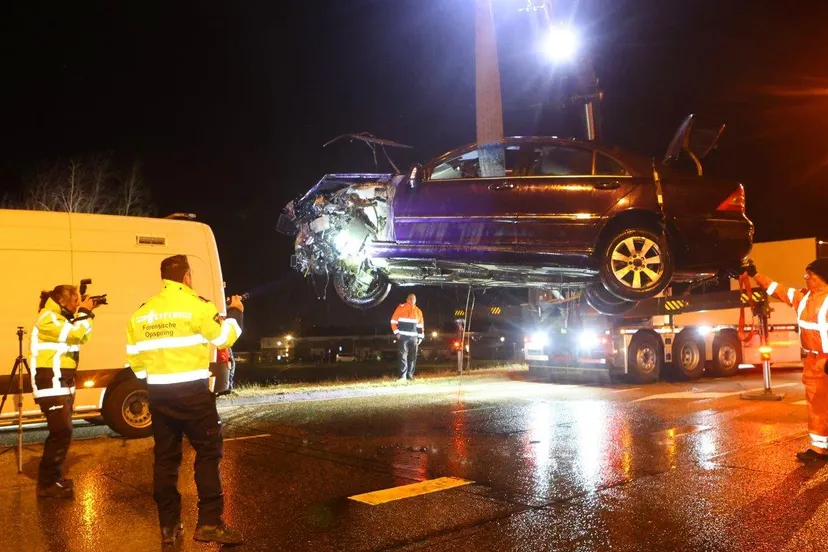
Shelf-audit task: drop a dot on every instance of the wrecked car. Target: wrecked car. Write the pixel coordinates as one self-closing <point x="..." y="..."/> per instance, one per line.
<point x="565" y="213"/>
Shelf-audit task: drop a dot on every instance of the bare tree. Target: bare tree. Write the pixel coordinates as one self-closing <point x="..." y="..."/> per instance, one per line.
<point x="90" y="184"/>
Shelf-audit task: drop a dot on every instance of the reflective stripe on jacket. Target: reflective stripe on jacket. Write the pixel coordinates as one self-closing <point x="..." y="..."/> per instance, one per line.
<point x="407" y="320"/>
<point x="811" y="309"/>
<point x="169" y="336"/>
<point x="55" y="347"/>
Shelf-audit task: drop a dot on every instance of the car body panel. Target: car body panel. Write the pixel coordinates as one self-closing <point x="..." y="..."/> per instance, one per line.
<point x="538" y="225"/>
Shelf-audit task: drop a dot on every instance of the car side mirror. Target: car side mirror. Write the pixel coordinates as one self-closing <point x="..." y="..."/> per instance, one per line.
<point x="416" y="176"/>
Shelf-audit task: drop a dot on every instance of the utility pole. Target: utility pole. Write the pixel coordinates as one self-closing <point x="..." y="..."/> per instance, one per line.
<point x="489" y="105"/>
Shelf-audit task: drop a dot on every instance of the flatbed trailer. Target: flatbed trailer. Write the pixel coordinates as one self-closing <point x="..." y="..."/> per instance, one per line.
<point x="636" y="347"/>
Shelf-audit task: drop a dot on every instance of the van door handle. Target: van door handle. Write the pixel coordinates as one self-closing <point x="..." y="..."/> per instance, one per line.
<point x="607" y="185"/>
<point x="498" y="186"/>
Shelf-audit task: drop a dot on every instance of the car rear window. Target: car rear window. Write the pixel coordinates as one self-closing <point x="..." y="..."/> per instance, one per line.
<point x="563" y="161"/>
<point x="605" y="165"/>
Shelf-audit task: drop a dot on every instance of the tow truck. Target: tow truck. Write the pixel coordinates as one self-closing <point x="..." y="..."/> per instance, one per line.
<point x="688" y="335"/>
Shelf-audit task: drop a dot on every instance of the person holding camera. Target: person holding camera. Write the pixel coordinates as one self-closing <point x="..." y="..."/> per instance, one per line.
<point x="64" y="323"/>
<point x="169" y="342"/>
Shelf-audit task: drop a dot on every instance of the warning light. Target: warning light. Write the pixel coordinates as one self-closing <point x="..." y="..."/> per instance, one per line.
<point x="89" y="383"/>
<point x="765" y="352"/>
<point x="456" y="345"/>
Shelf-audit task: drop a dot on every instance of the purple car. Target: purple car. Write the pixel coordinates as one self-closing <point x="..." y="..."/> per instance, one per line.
<point x="566" y="214"/>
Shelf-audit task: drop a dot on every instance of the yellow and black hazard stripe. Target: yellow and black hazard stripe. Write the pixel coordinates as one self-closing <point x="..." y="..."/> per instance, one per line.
<point x="495" y="310"/>
<point x="675" y="304"/>
<point x="756" y="295"/>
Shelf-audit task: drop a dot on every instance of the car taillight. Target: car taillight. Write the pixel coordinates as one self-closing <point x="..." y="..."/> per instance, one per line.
<point x="734" y="202"/>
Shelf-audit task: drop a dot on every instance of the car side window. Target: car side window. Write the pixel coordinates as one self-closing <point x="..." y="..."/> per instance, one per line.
<point x="466" y="165"/>
<point x="554" y="160"/>
<point x="605" y="165"/>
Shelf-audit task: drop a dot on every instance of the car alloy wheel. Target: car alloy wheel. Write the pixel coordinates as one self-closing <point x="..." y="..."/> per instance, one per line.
<point x="636" y="264"/>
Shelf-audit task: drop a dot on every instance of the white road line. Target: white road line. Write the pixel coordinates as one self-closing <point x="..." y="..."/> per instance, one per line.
<point x="701" y="395"/>
<point x="473" y="409"/>
<point x="625" y="390"/>
<point x="802" y="402"/>
<point x="247" y="437"/>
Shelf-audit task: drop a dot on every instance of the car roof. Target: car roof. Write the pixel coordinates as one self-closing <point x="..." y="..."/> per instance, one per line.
<point x="639" y="164"/>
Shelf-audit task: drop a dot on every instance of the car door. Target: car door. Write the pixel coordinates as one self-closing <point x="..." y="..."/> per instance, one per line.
<point x="455" y="208"/>
<point x="569" y="188"/>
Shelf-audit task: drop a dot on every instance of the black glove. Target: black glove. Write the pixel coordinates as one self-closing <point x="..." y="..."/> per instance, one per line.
<point x="746" y="266"/>
<point x="749" y="267"/>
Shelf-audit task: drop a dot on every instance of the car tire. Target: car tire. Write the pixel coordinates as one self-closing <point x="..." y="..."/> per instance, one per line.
<point x="126" y="409"/>
<point x="604" y="302"/>
<point x="362" y="296"/>
<point x="636" y="264"/>
<point x="645" y="357"/>
<point x="688" y="355"/>
<point x="727" y="354"/>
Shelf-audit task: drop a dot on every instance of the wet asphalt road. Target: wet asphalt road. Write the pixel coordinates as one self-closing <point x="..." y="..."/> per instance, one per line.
<point x="673" y="466"/>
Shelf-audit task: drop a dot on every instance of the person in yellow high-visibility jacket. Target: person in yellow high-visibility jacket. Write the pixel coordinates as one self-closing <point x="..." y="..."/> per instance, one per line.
<point x="64" y="323"/>
<point x="169" y="342"/>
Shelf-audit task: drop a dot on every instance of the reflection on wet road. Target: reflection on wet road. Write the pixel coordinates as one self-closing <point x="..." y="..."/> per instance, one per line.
<point x="492" y="463"/>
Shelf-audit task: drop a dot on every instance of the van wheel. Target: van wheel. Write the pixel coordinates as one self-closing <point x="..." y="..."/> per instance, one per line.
<point x="126" y="409"/>
<point x="727" y="354"/>
<point x="645" y="357"/>
<point x="688" y="355"/>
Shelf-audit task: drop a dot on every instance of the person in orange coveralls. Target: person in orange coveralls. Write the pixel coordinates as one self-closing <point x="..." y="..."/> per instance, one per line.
<point x="407" y="325"/>
<point x="811" y="304"/>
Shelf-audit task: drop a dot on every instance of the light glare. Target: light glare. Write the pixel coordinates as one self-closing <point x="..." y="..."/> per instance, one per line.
<point x="560" y="44"/>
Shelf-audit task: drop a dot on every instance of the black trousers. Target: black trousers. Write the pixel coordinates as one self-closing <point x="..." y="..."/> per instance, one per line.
<point x="58" y="413"/>
<point x="196" y="417"/>
<point x="407" y="352"/>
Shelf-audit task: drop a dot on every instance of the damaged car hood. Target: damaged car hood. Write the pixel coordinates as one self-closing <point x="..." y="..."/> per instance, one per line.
<point x="338" y="219"/>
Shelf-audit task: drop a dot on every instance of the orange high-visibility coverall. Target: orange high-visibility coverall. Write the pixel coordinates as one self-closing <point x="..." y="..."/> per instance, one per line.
<point x="812" y="313"/>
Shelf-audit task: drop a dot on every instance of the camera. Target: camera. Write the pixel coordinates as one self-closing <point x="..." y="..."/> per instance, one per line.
<point x="97" y="300"/>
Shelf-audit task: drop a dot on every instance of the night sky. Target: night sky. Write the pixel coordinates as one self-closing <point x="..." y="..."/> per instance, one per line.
<point x="226" y="105"/>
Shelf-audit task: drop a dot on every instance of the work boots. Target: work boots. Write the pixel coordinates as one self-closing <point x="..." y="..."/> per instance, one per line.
<point x="170" y="534"/>
<point x="58" y="489"/>
<point x="221" y="534"/>
<point x="810" y="455"/>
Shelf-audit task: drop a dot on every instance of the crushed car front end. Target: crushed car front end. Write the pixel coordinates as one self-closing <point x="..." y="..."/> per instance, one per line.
<point x="335" y="223"/>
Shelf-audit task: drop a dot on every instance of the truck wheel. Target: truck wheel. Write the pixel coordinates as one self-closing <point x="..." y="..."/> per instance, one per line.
<point x="636" y="264"/>
<point x="688" y="355"/>
<point x="727" y="354"/>
<point x="604" y="302"/>
<point x="645" y="358"/>
<point x="126" y="409"/>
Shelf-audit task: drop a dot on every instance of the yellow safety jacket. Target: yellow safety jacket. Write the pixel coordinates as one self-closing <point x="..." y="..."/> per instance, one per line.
<point x="169" y="336"/>
<point x="55" y="348"/>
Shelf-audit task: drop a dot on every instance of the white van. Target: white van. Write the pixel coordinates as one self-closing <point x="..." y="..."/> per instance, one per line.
<point x="122" y="256"/>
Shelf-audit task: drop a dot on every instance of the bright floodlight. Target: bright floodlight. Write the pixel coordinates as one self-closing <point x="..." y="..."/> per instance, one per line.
<point x="560" y="44"/>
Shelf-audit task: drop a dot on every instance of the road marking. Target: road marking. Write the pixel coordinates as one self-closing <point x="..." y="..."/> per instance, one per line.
<point x="473" y="409"/>
<point x="407" y="491"/>
<point x="700" y="395"/>
<point x="681" y="430"/>
<point x="802" y="402"/>
<point x="248" y="437"/>
<point x="624" y="390"/>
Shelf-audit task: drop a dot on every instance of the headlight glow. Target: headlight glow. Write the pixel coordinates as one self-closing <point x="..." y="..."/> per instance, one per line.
<point x="588" y="339"/>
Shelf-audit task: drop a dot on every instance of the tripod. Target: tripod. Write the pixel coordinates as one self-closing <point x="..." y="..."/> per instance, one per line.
<point x="21" y="361"/>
